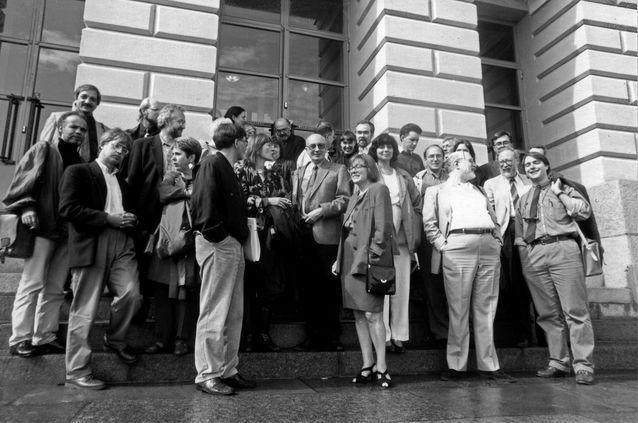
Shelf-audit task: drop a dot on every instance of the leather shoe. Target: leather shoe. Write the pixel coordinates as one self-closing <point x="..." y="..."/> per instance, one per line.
<point x="156" y="348"/>
<point x="180" y="348"/>
<point x="584" y="377"/>
<point x="85" y="382"/>
<point x="451" y="374"/>
<point x="22" y="349"/>
<point x="267" y="344"/>
<point x="214" y="386"/>
<point x="126" y="354"/>
<point x="550" y="371"/>
<point x="497" y="375"/>
<point x="237" y="381"/>
<point x="53" y="347"/>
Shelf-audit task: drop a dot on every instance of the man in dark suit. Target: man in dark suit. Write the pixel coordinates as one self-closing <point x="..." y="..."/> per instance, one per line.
<point x="146" y="120"/>
<point x="320" y="192"/>
<point x="150" y="159"/>
<point x="94" y="200"/>
<point x="489" y="170"/>
<point x="292" y="145"/>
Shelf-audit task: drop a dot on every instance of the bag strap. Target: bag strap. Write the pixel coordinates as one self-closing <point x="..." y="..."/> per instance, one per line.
<point x="188" y="213"/>
<point x="582" y="236"/>
<point x="370" y="241"/>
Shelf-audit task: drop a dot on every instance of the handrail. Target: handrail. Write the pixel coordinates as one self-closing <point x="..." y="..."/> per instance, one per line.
<point x="9" y="129"/>
<point x="34" y="121"/>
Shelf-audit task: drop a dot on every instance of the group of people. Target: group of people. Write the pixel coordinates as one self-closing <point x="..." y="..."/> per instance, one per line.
<point x="149" y="213"/>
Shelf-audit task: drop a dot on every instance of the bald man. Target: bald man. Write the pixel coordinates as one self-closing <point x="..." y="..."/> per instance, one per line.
<point x="292" y="145"/>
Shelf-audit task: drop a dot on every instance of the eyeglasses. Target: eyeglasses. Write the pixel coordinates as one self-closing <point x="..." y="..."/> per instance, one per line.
<point x="282" y="130"/>
<point x="505" y="162"/>
<point x="502" y="143"/>
<point x="357" y="167"/>
<point x="316" y="147"/>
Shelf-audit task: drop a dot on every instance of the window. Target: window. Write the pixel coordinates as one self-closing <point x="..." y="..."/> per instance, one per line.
<point x="282" y="58"/>
<point x="39" y="54"/>
<point x="501" y="75"/>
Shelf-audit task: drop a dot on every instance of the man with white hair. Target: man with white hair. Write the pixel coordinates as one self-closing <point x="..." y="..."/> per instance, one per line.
<point x="460" y="223"/>
<point x="146" y="119"/>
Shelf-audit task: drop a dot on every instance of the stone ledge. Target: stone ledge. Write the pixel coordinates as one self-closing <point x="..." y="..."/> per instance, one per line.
<point x="202" y="5"/>
<point x="186" y="25"/>
<point x="120" y="15"/>
<point x="610" y="295"/>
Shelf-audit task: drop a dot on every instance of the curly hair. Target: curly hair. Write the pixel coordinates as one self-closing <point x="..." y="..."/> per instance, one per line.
<point x="380" y="141"/>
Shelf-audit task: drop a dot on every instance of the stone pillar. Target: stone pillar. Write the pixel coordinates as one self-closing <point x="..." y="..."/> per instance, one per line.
<point x="417" y="61"/>
<point x="165" y="49"/>
<point x="580" y="69"/>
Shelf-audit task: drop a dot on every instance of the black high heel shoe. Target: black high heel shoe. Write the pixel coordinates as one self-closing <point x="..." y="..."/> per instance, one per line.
<point x="384" y="380"/>
<point x="361" y="378"/>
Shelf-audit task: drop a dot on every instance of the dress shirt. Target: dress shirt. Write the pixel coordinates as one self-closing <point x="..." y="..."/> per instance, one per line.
<point x="113" y="203"/>
<point x="469" y="208"/>
<point x="167" y="148"/>
<point x="426" y="178"/>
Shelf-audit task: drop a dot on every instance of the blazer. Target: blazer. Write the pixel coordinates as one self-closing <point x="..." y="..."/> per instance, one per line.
<point x="330" y="193"/>
<point x="410" y="200"/>
<point x="498" y="192"/>
<point x="371" y="216"/>
<point x="145" y="171"/>
<point x="50" y="133"/>
<point x="82" y="200"/>
<point x="437" y="212"/>
<point x="487" y="171"/>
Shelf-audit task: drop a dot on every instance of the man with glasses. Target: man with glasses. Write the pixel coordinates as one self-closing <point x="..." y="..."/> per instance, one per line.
<point x="95" y="201"/>
<point x="499" y="141"/>
<point x="292" y="145"/>
<point x="146" y="120"/>
<point x="320" y="193"/>
<point x="504" y="192"/>
<point x="460" y="223"/>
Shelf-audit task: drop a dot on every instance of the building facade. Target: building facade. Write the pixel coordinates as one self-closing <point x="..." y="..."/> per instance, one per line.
<point x="557" y="73"/>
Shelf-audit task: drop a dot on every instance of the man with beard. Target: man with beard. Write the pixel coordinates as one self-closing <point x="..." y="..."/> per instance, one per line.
<point x="364" y="132"/>
<point x="292" y="145"/>
<point x="87" y="98"/>
<point x="33" y="194"/>
<point x="499" y="141"/>
<point x="459" y="222"/>
<point x="147" y="120"/>
<point x="149" y="160"/>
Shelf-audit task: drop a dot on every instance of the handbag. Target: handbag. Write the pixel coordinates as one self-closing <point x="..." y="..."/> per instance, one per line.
<point x="16" y="239"/>
<point x="174" y="238"/>
<point x="380" y="278"/>
<point x="252" y="248"/>
<point x="590" y="253"/>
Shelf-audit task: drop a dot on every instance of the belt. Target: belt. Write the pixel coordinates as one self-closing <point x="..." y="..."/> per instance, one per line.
<point x="547" y="239"/>
<point x="476" y="231"/>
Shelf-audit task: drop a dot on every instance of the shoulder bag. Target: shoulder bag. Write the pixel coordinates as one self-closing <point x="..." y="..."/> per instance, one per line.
<point x="380" y="279"/>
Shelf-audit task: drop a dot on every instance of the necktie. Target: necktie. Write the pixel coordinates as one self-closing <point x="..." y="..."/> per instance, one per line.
<point x="530" y="233"/>
<point x="92" y="130"/>
<point x="514" y="192"/>
<point x="313" y="176"/>
<point x="311" y="181"/>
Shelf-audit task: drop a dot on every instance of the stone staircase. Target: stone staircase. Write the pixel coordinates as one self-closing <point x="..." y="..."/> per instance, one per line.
<point x="617" y="348"/>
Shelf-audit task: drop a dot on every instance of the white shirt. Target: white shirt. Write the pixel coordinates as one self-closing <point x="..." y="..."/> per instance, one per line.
<point x="469" y="208"/>
<point x="113" y="204"/>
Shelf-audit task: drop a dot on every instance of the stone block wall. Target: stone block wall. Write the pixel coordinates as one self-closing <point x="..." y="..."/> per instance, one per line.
<point x="160" y="48"/>
<point x="417" y="61"/>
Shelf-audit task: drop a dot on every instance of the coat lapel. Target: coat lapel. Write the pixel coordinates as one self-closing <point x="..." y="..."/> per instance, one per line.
<point x="158" y="154"/>
<point x="99" y="182"/>
<point x="322" y="172"/>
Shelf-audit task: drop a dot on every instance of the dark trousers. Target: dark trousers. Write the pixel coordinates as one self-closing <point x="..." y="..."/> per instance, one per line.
<point x="174" y="318"/>
<point x="435" y="299"/>
<point x="321" y="290"/>
<point x="515" y="302"/>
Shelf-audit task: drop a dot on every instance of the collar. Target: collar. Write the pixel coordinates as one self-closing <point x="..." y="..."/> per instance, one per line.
<point x="166" y="143"/>
<point x="106" y="169"/>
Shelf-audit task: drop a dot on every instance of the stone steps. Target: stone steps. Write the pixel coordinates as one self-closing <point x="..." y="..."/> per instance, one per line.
<point x="163" y="368"/>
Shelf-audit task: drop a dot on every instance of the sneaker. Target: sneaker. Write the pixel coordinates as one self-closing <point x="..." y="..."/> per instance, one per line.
<point x="550" y="371"/>
<point x="584" y="377"/>
<point x="497" y="375"/>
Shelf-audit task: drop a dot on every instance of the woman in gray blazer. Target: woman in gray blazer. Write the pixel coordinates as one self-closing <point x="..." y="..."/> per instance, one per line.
<point x="366" y="236"/>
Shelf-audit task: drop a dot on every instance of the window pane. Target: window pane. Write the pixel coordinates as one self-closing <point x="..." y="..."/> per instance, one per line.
<point x="257" y="10"/>
<point x="16" y="17"/>
<point x="47" y="110"/>
<point x="496" y="41"/>
<point x="505" y="120"/>
<point x="249" y="49"/>
<point x="324" y="15"/>
<point x="500" y="85"/>
<point x="55" y="79"/>
<point x="63" y="22"/>
<point x="259" y="96"/>
<point x="13" y="65"/>
<point x="315" y="57"/>
<point x="308" y="103"/>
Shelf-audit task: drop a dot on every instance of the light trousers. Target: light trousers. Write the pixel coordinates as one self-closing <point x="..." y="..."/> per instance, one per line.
<point x="221" y="307"/>
<point x="36" y="308"/>
<point x="396" y="308"/>
<point x="115" y="266"/>
<point x="554" y="273"/>
<point x="471" y="271"/>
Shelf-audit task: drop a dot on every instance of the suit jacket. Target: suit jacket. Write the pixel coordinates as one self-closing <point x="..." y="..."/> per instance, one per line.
<point x="82" y="200"/>
<point x="498" y="192"/>
<point x="50" y="133"/>
<point x="144" y="175"/>
<point x="372" y="225"/>
<point x="437" y="211"/>
<point x="330" y="192"/>
<point x="487" y="171"/>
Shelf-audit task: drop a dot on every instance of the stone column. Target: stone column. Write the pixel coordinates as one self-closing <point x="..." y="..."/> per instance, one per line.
<point x="165" y="49"/>
<point x="417" y="61"/>
<point x="580" y="70"/>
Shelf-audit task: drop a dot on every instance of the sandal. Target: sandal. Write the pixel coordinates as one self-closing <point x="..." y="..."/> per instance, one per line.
<point x="361" y="378"/>
<point x="383" y="379"/>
